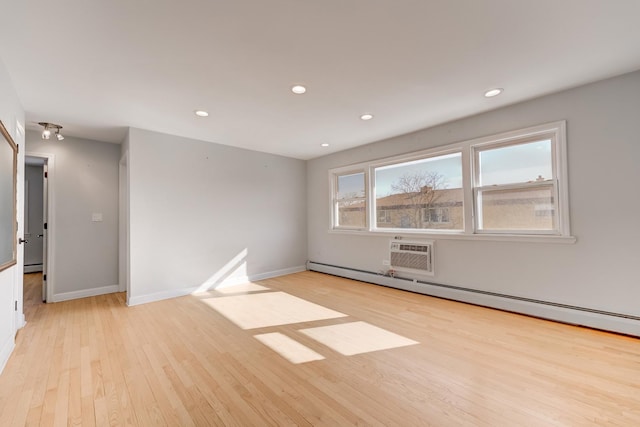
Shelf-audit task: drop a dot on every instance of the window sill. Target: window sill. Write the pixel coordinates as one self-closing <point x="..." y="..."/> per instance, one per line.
<point x="462" y="236"/>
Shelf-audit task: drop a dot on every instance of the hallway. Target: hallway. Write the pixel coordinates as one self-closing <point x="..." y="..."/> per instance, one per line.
<point x="32" y="294"/>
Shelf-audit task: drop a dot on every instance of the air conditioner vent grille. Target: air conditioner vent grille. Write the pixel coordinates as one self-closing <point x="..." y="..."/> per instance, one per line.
<point x="409" y="260"/>
<point x="413" y="257"/>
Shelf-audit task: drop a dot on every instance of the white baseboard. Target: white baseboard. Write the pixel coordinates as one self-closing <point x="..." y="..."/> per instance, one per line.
<point x="159" y="296"/>
<point x="5" y="352"/>
<point x="85" y="293"/>
<point x="231" y="281"/>
<point x="33" y="268"/>
<point x="21" y="321"/>
<point x="546" y="310"/>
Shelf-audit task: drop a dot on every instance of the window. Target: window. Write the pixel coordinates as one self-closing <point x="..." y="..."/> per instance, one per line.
<point x="350" y="201"/>
<point x="411" y="188"/>
<point x="511" y="184"/>
<point x="516" y="186"/>
<point x="384" y="216"/>
<point x="436" y="215"/>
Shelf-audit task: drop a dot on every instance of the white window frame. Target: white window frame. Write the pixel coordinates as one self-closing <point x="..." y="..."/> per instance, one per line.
<point x="335" y="213"/>
<point x="553" y="131"/>
<point x="470" y="170"/>
<point x="405" y="158"/>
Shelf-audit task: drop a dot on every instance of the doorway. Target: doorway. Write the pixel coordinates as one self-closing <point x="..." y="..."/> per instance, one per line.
<point x="36" y="212"/>
<point x="33" y="214"/>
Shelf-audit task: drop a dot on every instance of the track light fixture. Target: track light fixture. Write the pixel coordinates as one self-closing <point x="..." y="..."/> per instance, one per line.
<point x="48" y="127"/>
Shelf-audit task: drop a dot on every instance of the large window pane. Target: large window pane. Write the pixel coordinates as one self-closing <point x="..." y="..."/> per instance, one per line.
<point x="420" y="194"/>
<point x="518" y="163"/>
<point x="518" y="209"/>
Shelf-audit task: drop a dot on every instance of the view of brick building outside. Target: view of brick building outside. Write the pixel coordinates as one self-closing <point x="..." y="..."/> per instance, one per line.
<point x="521" y="209"/>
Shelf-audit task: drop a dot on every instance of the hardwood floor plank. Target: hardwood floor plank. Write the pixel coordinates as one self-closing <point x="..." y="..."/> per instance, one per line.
<point x="62" y="400"/>
<point x="21" y="410"/>
<point x="180" y="362"/>
<point x="75" y="397"/>
<point x="173" y="409"/>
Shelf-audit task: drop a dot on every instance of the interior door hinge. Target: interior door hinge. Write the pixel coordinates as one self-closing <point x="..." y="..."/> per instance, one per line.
<point x="44" y="277"/>
<point x="45" y="225"/>
<point x="46" y="174"/>
<point x="16" y="305"/>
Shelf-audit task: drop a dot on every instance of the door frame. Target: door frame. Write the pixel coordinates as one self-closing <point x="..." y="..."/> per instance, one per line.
<point x="28" y="227"/>
<point x="124" y="272"/>
<point x="51" y="229"/>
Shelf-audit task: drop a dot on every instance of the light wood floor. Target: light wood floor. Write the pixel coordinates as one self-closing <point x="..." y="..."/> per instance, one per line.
<point x="179" y="362"/>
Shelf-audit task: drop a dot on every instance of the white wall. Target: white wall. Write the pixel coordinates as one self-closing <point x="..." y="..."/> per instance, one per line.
<point x="84" y="182"/>
<point x="205" y="215"/>
<point x="597" y="272"/>
<point x="12" y="115"/>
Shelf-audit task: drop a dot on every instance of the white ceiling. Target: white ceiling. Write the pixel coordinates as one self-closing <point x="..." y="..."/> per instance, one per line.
<point x="98" y="67"/>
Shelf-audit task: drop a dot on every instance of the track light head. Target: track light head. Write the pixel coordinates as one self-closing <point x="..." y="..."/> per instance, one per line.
<point x="46" y="133"/>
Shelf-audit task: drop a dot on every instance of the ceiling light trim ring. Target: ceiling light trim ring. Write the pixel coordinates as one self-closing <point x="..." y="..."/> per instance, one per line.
<point x="298" y="89"/>
<point x="493" y="92"/>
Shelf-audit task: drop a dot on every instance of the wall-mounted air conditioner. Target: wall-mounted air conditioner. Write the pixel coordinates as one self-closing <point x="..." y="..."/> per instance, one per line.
<point x="412" y="257"/>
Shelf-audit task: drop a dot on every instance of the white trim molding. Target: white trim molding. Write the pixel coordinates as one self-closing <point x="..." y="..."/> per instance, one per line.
<point x="7" y="348"/>
<point x="231" y="281"/>
<point x="33" y="268"/>
<point x="66" y="296"/>
<point x="159" y="296"/>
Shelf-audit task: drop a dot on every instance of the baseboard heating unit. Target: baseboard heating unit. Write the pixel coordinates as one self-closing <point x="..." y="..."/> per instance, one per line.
<point x="598" y="319"/>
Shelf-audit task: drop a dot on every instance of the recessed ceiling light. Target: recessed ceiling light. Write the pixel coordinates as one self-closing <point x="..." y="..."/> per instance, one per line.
<point x="201" y="113"/>
<point x="298" y="89"/>
<point x="493" y="92"/>
<point x="366" y="116"/>
<point x="324" y="145"/>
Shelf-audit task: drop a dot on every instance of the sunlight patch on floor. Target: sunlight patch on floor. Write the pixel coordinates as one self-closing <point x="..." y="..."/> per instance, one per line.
<point x="356" y="338"/>
<point x="288" y="348"/>
<point x="269" y="309"/>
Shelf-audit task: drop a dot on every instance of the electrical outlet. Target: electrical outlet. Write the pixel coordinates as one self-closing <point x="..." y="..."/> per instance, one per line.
<point x="385" y="262"/>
